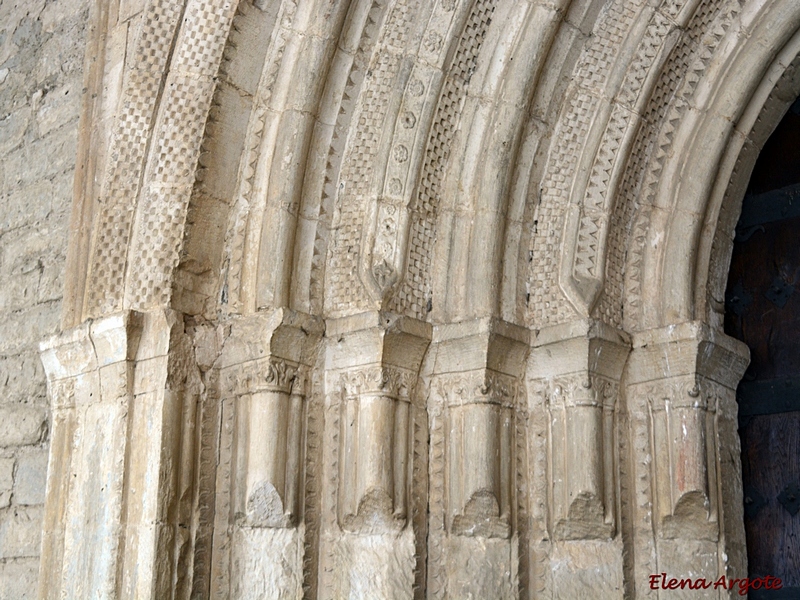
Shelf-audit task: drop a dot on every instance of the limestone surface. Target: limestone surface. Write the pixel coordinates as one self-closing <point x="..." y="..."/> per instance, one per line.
<point x="369" y="299"/>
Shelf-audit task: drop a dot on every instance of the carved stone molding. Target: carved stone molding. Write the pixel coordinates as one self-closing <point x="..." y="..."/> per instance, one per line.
<point x="685" y="460"/>
<point x="375" y="417"/>
<point x="266" y="443"/>
<point x="376" y="432"/>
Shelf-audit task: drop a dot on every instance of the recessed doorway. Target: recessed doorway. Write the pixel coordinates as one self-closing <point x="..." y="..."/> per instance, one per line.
<point x="762" y="308"/>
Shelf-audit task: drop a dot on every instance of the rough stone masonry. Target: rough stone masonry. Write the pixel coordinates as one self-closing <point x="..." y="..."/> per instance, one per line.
<point x="42" y="47"/>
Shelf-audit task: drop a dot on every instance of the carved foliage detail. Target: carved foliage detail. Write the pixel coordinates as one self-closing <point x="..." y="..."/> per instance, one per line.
<point x="270" y="374"/>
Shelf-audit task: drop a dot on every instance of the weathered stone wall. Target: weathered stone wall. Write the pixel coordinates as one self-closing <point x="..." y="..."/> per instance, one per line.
<point x="42" y="45"/>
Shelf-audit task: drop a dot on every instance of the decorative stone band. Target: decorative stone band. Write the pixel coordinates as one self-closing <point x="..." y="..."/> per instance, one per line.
<point x="482" y="386"/>
<point x="684" y="378"/>
<point x="581" y="389"/>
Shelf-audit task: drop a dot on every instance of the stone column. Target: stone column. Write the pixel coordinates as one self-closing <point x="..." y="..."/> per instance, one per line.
<point x="124" y="391"/>
<point x="573" y="378"/>
<point x="476" y="466"/>
<point x="375" y="435"/>
<point x="260" y="533"/>
<point x="682" y="403"/>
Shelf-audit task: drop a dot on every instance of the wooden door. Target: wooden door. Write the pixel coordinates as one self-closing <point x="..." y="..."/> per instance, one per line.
<point x="763" y="310"/>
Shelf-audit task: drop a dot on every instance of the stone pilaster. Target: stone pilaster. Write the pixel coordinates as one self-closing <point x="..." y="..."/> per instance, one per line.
<point x="681" y="388"/>
<point x="476" y="417"/>
<point x="375" y="435"/>
<point x="124" y="391"/>
<point x="573" y="379"/>
<point x="260" y="533"/>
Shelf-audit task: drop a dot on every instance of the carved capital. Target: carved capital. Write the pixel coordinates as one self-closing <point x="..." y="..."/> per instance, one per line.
<point x="377" y="380"/>
<point x="264" y="352"/>
<point x="683" y="377"/>
<point x="573" y="376"/>
<point x="262" y="370"/>
<point x="372" y="365"/>
<point x="691" y="348"/>
<point x="475" y="397"/>
<point x="476" y="387"/>
<point x="579" y="389"/>
<point x="375" y="438"/>
<point x="264" y="375"/>
<point x="479" y="411"/>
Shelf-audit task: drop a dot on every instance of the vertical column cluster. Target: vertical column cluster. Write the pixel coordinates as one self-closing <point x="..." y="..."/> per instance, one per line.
<point x="474" y="407"/>
<point x="270" y="415"/>
<point x="681" y="386"/>
<point x="263" y="371"/>
<point x="374" y="444"/>
<point x="120" y="491"/>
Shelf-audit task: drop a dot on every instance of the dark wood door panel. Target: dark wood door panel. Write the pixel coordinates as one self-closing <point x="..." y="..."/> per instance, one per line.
<point x="770" y="451"/>
<point x="762" y="308"/>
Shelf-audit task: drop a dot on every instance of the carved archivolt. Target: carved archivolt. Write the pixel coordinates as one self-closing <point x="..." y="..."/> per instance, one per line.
<point x="407" y="70"/>
<point x="438" y="292"/>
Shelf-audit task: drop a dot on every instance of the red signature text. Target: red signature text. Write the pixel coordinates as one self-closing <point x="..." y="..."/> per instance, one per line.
<point x="662" y="582"/>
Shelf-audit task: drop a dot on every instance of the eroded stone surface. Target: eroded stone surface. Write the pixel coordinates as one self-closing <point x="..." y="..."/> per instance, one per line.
<point x="42" y="48"/>
<point x="375" y="299"/>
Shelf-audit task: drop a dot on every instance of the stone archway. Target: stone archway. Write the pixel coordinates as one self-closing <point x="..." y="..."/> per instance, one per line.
<point x="411" y="301"/>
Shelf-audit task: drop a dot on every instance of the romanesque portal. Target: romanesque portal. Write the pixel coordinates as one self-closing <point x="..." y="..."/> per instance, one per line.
<point x="406" y="298"/>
